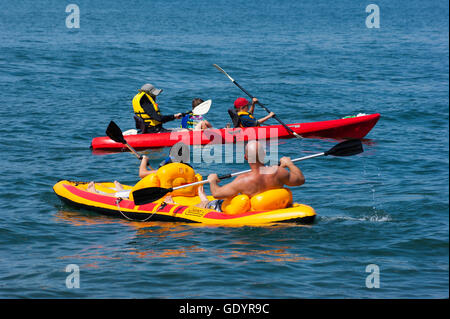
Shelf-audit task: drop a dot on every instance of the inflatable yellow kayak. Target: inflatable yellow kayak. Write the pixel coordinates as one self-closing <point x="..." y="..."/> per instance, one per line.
<point x="110" y="202"/>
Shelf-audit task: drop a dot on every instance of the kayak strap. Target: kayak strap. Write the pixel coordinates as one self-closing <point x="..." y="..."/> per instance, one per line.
<point x="118" y="200"/>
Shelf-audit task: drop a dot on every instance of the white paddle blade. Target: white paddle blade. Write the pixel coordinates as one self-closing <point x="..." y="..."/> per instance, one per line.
<point x="202" y="108"/>
<point x="223" y="71"/>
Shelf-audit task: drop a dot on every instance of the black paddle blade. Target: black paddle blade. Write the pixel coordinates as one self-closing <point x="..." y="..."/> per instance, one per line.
<point x="150" y="194"/>
<point x="115" y="133"/>
<point x="347" y="148"/>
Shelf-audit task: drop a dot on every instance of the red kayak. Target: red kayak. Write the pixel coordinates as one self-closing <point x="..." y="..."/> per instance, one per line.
<point x="352" y="127"/>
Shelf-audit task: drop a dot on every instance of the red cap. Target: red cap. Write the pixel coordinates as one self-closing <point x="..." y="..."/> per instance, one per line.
<point x="240" y="102"/>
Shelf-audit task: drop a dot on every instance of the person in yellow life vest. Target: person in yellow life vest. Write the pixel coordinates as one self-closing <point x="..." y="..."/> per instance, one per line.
<point x="245" y="114"/>
<point x="148" y="116"/>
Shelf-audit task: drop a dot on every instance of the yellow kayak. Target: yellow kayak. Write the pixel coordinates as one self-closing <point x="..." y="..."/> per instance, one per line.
<point x="110" y="202"/>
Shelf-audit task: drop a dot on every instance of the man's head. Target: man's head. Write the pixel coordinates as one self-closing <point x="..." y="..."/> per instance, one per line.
<point x="150" y="90"/>
<point x="241" y="104"/>
<point x="255" y="152"/>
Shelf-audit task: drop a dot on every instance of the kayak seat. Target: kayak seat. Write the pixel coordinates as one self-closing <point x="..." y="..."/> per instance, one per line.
<point x="140" y="124"/>
<point x="234" y="118"/>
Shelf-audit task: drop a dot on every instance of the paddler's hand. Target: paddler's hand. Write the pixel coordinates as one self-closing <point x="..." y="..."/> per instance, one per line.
<point x="254" y="100"/>
<point x="285" y="162"/>
<point x="213" y="178"/>
<point x="178" y="115"/>
<point x="271" y="114"/>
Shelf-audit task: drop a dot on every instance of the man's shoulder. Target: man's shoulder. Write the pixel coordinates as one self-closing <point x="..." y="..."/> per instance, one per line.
<point x="279" y="173"/>
<point x="267" y="170"/>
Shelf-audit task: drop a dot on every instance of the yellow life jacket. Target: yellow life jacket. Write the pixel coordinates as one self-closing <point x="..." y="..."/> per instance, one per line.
<point x="139" y="111"/>
<point x="269" y="200"/>
<point x="171" y="175"/>
<point x="249" y="115"/>
<point x="272" y="199"/>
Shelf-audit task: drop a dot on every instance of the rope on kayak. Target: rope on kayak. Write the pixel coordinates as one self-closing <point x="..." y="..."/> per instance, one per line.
<point x="119" y="199"/>
<point x="144" y="220"/>
<point x="163" y="204"/>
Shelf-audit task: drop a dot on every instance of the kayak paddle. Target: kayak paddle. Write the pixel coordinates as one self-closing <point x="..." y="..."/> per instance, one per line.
<point x="260" y="104"/>
<point x="151" y="194"/>
<point x="115" y="133"/>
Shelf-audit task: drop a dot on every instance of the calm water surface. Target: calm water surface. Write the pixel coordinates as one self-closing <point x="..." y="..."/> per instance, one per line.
<point x="307" y="61"/>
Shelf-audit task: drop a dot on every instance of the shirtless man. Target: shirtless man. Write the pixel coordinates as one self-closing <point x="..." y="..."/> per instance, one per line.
<point x="260" y="179"/>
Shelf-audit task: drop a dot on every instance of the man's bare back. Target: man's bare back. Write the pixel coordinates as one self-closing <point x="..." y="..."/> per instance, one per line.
<point x="256" y="182"/>
<point x="260" y="179"/>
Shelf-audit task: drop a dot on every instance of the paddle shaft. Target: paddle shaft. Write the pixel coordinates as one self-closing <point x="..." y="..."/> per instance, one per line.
<point x="246" y="171"/>
<point x="260" y="104"/>
<point x="115" y="133"/>
<point x="132" y="150"/>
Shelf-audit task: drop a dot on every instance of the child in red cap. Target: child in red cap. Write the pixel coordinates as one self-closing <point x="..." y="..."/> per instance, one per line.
<point x="246" y="115"/>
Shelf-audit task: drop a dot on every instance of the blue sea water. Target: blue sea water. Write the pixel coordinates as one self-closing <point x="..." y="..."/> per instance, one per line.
<point x="308" y="61"/>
